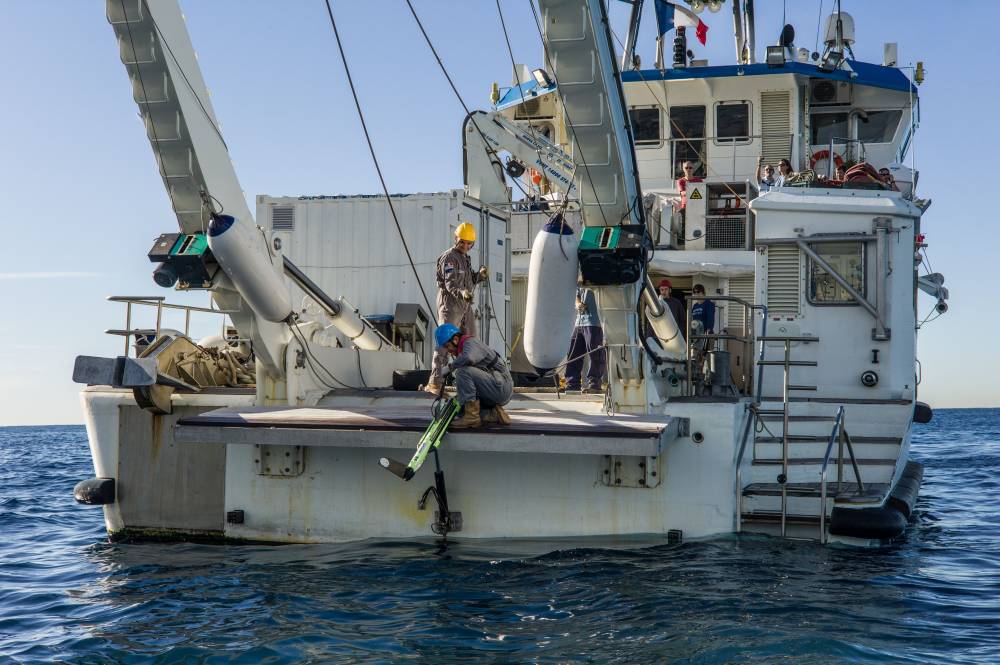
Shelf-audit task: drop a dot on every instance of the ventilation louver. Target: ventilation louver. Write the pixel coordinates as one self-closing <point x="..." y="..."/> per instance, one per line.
<point x="742" y="288"/>
<point x="776" y="126"/>
<point x="282" y="218"/>
<point x="784" y="279"/>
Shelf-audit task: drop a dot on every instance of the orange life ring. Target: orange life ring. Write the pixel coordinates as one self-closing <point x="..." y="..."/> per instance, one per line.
<point x="825" y="154"/>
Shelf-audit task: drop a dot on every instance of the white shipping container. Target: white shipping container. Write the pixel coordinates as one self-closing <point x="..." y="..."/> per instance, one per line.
<point x="350" y="246"/>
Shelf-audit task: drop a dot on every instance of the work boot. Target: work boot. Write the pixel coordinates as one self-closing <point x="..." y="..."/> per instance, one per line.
<point x="431" y="388"/>
<point x="502" y="417"/>
<point x="470" y="418"/>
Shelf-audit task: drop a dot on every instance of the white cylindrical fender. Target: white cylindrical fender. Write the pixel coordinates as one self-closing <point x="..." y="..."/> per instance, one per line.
<point x="550" y="312"/>
<point x="240" y="252"/>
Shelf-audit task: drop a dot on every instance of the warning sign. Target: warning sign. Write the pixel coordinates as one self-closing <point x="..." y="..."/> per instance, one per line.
<point x="696" y="195"/>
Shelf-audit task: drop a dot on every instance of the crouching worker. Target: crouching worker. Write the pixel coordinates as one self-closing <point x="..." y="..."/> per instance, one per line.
<point x="481" y="377"/>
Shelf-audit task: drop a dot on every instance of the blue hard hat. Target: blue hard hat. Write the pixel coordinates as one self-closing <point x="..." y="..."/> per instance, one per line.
<point x="445" y="332"/>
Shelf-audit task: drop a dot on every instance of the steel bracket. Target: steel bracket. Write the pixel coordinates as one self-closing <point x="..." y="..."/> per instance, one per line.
<point x="279" y="461"/>
<point x="631" y="471"/>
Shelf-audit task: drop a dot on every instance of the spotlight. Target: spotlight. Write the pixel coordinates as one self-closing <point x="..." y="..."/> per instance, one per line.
<point x="775" y="56"/>
<point x="542" y="78"/>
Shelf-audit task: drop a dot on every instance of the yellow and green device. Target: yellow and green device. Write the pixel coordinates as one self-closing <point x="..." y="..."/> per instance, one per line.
<point x="430" y="440"/>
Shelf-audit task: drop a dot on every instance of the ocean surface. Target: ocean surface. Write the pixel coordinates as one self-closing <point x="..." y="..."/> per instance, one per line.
<point x="67" y="595"/>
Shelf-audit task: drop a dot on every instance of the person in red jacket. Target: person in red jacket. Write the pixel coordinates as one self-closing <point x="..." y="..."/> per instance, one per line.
<point x="689" y="176"/>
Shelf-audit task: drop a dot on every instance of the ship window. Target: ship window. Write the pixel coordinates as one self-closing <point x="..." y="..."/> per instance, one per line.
<point x="880" y="128"/>
<point x="732" y="122"/>
<point x="827" y="127"/>
<point x="687" y="123"/>
<point x="848" y="259"/>
<point x="645" y="126"/>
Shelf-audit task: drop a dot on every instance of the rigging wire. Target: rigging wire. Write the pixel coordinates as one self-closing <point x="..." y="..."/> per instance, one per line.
<point x="197" y="98"/>
<point x="517" y="78"/>
<point x="432" y="311"/>
<point x="819" y="19"/>
<point x="489" y="149"/>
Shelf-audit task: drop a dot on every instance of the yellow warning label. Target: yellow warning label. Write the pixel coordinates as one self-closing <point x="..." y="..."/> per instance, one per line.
<point x="696" y="195"/>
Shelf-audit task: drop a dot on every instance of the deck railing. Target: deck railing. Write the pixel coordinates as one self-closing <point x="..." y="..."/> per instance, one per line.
<point x="159" y="303"/>
<point x="839" y="434"/>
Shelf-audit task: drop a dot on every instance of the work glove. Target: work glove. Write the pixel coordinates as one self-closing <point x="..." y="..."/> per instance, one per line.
<point x="484" y="274"/>
<point x="466" y="295"/>
<point x="447" y="370"/>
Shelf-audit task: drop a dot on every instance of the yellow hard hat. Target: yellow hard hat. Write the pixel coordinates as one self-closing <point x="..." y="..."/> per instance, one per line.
<point x="466" y="231"/>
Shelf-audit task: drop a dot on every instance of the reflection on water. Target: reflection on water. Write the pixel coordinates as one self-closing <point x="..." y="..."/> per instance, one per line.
<point x="933" y="597"/>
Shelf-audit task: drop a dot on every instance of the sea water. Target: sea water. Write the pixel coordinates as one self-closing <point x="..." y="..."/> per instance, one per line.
<point x="68" y="595"/>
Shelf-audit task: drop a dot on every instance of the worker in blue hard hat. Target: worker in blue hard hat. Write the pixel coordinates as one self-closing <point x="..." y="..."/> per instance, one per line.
<point x="481" y="376"/>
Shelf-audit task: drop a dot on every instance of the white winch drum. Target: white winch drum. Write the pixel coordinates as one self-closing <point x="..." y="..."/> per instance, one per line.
<point x="550" y="311"/>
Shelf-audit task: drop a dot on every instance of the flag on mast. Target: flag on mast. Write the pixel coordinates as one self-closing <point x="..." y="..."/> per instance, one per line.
<point x="669" y="16"/>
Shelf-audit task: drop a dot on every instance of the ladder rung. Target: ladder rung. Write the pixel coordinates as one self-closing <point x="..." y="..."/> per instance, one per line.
<point x="791" y="387"/>
<point x="770" y="338"/>
<point x="790" y="363"/>
<point x="770" y="412"/>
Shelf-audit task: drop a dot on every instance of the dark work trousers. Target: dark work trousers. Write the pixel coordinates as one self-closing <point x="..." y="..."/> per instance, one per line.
<point x="585" y="340"/>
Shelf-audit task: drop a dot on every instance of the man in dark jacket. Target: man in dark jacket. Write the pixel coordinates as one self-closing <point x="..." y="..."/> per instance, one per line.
<point x="482" y="378"/>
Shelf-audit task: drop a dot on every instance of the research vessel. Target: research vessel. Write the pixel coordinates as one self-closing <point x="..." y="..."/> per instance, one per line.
<point x="791" y="415"/>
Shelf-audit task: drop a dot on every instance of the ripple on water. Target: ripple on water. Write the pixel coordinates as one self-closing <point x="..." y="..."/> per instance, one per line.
<point x="66" y="594"/>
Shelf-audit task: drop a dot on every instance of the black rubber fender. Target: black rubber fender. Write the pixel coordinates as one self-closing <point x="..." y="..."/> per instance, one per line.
<point x="887" y="521"/>
<point x="904" y="495"/>
<point x="95" y="491"/>
<point x="882" y="523"/>
<point x="922" y="413"/>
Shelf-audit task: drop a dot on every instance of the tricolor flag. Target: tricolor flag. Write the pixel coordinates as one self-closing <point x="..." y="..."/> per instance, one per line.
<point x="669" y="15"/>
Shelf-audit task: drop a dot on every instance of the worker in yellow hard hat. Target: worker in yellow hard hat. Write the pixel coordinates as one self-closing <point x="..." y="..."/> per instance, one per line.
<point x="456" y="285"/>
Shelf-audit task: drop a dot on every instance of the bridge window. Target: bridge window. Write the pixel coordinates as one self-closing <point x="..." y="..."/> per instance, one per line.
<point x="828" y="126"/>
<point x="880" y="127"/>
<point x="688" y="123"/>
<point x="732" y="122"/>
<point x="645" y="126"/>
<point x="848" y="259"/>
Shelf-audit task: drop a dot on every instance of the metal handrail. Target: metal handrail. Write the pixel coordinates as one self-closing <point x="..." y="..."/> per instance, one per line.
<point x="839" y="433"/>
<point x="862" y="152"/>
<point x="747" y="337"/>
<point x="159" y="303"/>
<point x="751" y="420"/>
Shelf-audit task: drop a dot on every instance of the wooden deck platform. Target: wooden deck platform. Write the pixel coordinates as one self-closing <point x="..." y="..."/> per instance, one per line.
<point x="400" y="426"/>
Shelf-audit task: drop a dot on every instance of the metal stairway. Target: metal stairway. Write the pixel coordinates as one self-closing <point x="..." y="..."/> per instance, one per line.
<point x="789" y="492"/>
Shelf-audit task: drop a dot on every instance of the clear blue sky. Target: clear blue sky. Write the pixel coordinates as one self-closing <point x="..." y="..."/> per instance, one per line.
<point x="83" y="200"/>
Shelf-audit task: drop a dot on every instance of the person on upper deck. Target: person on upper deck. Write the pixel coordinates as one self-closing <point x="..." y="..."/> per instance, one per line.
<point x="673" y="304"/>
<point x="784" y="171"/>
<point x="682" y="182"/>
<point x="456" y="282"/>
<point x="840" y="173"/>
<point x="482" y="378"/>
<point x="767" y="181"/>
<point x="702" y="310"/>
<point x="885" y="176"/>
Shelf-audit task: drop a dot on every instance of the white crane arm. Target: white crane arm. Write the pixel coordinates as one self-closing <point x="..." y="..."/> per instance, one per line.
<point x="484" y="174"/>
